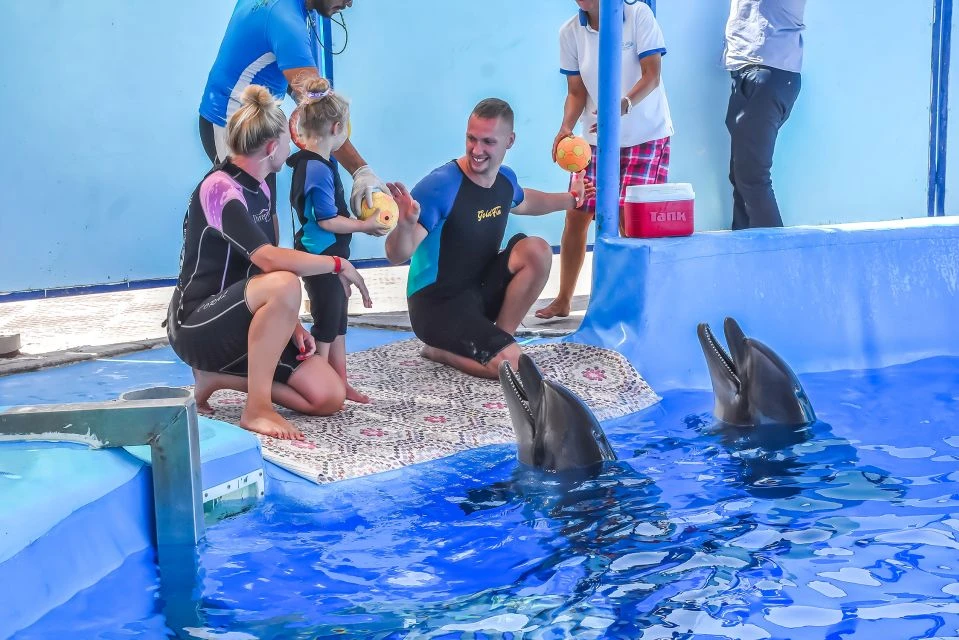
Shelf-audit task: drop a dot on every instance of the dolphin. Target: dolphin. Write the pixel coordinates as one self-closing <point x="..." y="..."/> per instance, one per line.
<point x="753" y="386"/>
<point x="555" y="430"/>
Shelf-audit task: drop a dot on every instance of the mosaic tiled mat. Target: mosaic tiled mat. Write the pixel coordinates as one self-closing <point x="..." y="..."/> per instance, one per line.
<point x="422" y="411"/>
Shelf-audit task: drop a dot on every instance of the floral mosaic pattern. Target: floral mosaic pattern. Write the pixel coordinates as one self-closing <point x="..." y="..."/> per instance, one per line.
<point x="422" y="411"/>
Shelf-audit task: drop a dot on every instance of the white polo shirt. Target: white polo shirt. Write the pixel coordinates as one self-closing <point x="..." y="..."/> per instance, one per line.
<point x="649" y="119"/>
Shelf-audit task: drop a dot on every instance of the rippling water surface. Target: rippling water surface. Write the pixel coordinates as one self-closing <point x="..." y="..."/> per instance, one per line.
<point x="845" y="528"/>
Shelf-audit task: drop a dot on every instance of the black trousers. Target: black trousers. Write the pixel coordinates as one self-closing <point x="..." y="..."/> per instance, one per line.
<point x="761" y="101"/>
<point x="209" y="146"/>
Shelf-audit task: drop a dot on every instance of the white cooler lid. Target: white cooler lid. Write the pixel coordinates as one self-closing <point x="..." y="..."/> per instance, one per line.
<point x="660" y="192"/>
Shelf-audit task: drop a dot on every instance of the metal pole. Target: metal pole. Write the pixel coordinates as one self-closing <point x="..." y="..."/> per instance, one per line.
<point x="610" y="99"/>
<point x="942" y="137"/>
<point x="934" y="109"/>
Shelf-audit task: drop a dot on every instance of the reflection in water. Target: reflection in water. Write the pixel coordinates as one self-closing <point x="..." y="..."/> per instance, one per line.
<point x="698" y="530"/>
<point x="780" y="461"/>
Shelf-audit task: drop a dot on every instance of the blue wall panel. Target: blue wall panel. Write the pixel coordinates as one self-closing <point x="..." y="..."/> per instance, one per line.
<point x="856" y="296"/>
<point x="100" y="140"/>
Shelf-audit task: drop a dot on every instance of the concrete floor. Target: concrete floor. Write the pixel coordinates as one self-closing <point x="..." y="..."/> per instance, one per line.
<point x="57" y="331"/>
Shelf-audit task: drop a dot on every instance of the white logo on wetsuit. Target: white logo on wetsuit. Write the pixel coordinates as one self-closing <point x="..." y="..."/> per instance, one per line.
<point x="212" y="301"/>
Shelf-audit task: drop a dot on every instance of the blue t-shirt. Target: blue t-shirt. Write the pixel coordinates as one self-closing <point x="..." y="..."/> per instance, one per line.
<point x="316" y="194"/>
<point x="465" y="224"/>
<point x="263" y="38"/>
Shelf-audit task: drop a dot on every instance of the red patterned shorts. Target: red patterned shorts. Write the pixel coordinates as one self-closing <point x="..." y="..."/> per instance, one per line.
<point x="646" y="163"/>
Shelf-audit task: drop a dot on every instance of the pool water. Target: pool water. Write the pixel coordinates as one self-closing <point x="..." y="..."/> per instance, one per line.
<point x="846" y="528"/>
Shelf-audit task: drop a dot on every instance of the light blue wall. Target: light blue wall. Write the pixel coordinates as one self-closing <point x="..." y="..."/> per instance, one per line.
<point x="99" y="137"/>
<point x="104" y="152"/>
<point x="856" y="145"/>
<point x="413" y="87"/>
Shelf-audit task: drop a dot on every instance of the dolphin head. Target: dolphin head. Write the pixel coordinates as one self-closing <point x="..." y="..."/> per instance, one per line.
<point x="555" y="430"/>
<point x="751" y="383"/>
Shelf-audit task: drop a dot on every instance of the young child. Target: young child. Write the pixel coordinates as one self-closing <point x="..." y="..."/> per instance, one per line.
<point x="326" y="227"/>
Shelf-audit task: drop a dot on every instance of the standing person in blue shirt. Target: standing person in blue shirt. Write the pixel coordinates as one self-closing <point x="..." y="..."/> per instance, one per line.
<point x="764" y="50"/>
<point x="326" y="228"/>
<point x="273" y="43"/>
<point x="467" y="297"/>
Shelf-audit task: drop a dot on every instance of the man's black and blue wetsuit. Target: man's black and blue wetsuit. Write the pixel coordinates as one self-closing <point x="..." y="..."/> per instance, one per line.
<point x="458" y="275"/>
<point x="316" y="194"/>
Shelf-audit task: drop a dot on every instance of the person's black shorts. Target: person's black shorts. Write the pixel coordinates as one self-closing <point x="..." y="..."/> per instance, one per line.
<point x="328" y="306"/>
<point x="465" y="324"/>
<point x="214" y="337"/>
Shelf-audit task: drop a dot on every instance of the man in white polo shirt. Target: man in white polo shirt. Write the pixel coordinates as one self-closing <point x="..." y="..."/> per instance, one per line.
<point x="764" y="50"/>
<point x="644" y="131"/>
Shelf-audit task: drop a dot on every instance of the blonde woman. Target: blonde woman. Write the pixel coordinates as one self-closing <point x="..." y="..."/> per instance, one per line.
<point x="234" y="313"/>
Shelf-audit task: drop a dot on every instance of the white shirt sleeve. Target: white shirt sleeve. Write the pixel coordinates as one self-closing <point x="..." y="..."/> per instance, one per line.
<point x="568" y="56"/>
<point x="647" y="35"/>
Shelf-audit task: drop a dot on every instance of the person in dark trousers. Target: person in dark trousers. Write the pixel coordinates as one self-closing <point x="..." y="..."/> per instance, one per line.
<point x="764" y="49"/>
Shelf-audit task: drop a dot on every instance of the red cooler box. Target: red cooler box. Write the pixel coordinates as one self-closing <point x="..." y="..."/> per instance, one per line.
<point x="659" y="210"/>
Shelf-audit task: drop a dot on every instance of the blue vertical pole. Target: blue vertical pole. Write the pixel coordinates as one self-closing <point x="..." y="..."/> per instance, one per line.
<point x="934" y="108"/>
<point x="939" y="109"/>
<point x="609" y="104"/>
<point x="942" y="137"/>
<point x="328" y="50"/>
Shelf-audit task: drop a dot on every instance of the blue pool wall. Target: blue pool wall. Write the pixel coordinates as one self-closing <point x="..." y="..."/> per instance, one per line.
<point x="72" y="515"/>
<point x="827" y="298"/>
<point x="105" y="150"/>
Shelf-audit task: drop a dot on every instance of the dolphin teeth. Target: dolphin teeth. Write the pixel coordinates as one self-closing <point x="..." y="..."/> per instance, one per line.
<point x="520" y="394"/>
<point x="723" y="356"/>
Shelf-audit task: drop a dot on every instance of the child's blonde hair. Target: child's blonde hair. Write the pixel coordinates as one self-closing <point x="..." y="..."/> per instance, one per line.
<point x="258" y="120"/>
<point x="321" y="107"/>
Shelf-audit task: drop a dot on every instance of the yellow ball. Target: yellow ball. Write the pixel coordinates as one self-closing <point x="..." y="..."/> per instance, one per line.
<point x="389" y="211"/>
<point x="573" y="154"/>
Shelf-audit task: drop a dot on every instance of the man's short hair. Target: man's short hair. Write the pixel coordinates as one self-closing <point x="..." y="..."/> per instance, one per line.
<point x="494" y="108"/>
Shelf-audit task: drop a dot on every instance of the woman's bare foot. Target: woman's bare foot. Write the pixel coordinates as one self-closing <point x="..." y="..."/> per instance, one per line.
<point x="356" y="396"/>
<point x="555" y="309"/>
<point x="205" y="385"/>
<point x="268" y="423"/>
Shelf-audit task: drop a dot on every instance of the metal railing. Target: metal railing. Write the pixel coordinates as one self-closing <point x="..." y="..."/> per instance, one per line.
<point x="163" y="418"/>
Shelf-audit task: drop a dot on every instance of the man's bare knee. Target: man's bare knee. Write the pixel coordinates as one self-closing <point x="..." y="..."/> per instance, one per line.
<point x="536" y="254"/>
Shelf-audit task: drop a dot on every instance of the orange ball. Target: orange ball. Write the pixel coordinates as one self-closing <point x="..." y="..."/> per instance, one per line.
<point x="573" y="154"/>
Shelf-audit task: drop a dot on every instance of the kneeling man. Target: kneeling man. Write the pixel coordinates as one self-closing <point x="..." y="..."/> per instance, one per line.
<point x="466" y="296"/>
